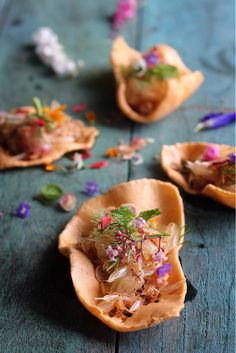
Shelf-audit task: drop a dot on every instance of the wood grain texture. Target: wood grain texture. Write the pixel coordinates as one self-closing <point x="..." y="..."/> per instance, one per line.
<point x="39" y="310"/>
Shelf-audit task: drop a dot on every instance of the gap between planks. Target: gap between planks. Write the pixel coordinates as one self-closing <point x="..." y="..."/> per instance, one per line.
<point x="137" y="45"/>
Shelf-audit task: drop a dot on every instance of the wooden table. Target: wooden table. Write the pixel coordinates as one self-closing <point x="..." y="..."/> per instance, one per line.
<point x="39" y="310"/>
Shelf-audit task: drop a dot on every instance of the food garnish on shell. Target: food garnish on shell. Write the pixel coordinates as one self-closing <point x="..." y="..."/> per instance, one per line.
<point x="152" y="85"/>
<point x="124" y="261"/>
<point x="39" y="134"/>
<point x="202" y="168"/>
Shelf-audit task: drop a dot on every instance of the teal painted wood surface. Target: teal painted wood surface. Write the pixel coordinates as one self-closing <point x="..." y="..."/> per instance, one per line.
<point x="39" y="311"/>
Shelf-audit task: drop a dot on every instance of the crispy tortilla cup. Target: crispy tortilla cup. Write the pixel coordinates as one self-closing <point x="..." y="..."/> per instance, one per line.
<point x="145" y="194"/>
<point x="174" y="92"/>
<point x="86" y="140"/>
<point x="171" y="161"/>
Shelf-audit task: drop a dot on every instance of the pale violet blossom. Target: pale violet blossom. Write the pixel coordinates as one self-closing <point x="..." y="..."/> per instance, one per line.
<point x="52" y="53"/>
<point x="138" y="222"/>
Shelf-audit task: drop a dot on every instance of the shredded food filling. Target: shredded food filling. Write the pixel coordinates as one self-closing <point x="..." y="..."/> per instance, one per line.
<point x="29" y="133"/>
<point x="130" y="255"/>
<point x="146" y="81"/>
<point x="210" y="168"/>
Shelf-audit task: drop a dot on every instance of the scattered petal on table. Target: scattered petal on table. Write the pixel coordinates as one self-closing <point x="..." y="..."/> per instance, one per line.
<point x="68" y="202"/>
<point x="78" y="108"/>
<point x="91" y="188"/>
<point x="99" y="165"/>
<point x="23" y="210"/>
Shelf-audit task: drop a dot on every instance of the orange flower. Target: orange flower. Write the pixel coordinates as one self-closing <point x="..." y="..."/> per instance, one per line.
<point x="50" y="167"/>
<point x="90" y="116"/>
<point x="112" y="152"/>
<point x="57" y="114"/>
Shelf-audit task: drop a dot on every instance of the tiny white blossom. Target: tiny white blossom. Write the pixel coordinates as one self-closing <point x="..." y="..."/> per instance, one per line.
<point x="51" y="52"/>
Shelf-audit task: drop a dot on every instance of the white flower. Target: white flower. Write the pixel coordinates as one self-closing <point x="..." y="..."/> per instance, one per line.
<point x="51" y="52"/>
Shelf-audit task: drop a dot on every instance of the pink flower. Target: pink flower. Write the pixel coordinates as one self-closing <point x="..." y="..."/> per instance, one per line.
<point x="112" y="253"/>
<point x="105" y="222"/>
<point x="211" y="153"/>
<point x="78" y="108"/>
<point x="138" y="142"/>
<point x="86" y="154"/>
<point x="125" y="10"/>
<point x="99" y="165"/>
<point x="67" y="202"/>
<point x="138" y="223"/>
<point x="159" y="256"/>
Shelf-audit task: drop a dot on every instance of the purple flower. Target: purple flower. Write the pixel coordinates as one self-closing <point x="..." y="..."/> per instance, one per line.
<point x="112" y="253"/>
<point x="164" y="269"/>
<point x="91" y="188"/>
<point x="215" y="120"/>
<point x="151" y="58"/>
<point x="159" y="256"/>
<point x="138" y="222"/>
<point x="23" y="210"/>
<point x="232" y="157"/>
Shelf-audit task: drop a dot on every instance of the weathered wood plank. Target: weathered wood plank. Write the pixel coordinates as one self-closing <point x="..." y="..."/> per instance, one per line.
<point x="39" y="310"/>
<point x="195" y="30"/>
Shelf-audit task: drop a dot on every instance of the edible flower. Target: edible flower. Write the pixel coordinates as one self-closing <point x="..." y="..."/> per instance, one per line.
<point x="163" y="270"/>
<point x="138" y="222"/>
<point x="40" y="122"/>
<point x="99" y="165"/>
<point x="105" y="222"/>
<point x="56" y="114"/>
<point x="52" y="53"/>
<point x="126" y="151"/>
<point x="151" y="57"/>
<point x="112" y="253"/>
<point x="125" y="10"/>
<point x="50" y="167"/>
<point x="232" y="157"/>
<point x="23" y="210"/>
<point x="1" y="214"/>
<point x="112" y="152"/>
<point x="91" y="188"/>
<point x="78" y="108"/>
<point x="211" y="153"/>
<point x="86" y="154"/>
<point x="215" y="120"/>
<point x="159" y="256"/>
<point x="68" y="202"/>
<point x="91" y="117"/>
<point x="78" y="162"/>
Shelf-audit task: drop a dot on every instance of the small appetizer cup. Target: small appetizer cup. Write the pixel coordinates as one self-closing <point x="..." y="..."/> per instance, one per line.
<point x="171" y="161"/>
<point x="165" y="97"/>
<point x="145" y="194"/>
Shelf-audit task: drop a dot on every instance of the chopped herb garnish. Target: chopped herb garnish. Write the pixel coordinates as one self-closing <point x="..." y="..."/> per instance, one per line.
<point x="150" y="214"/>
<point x="159" y="72"/>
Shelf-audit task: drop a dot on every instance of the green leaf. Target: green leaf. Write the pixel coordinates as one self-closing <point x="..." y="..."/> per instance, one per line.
<point x="38" y="106"/>
<point x="150" y="214"/>
<point x="162" y="72"/>
<point x="123" y="215"/>
<point x="51" y="192"/>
